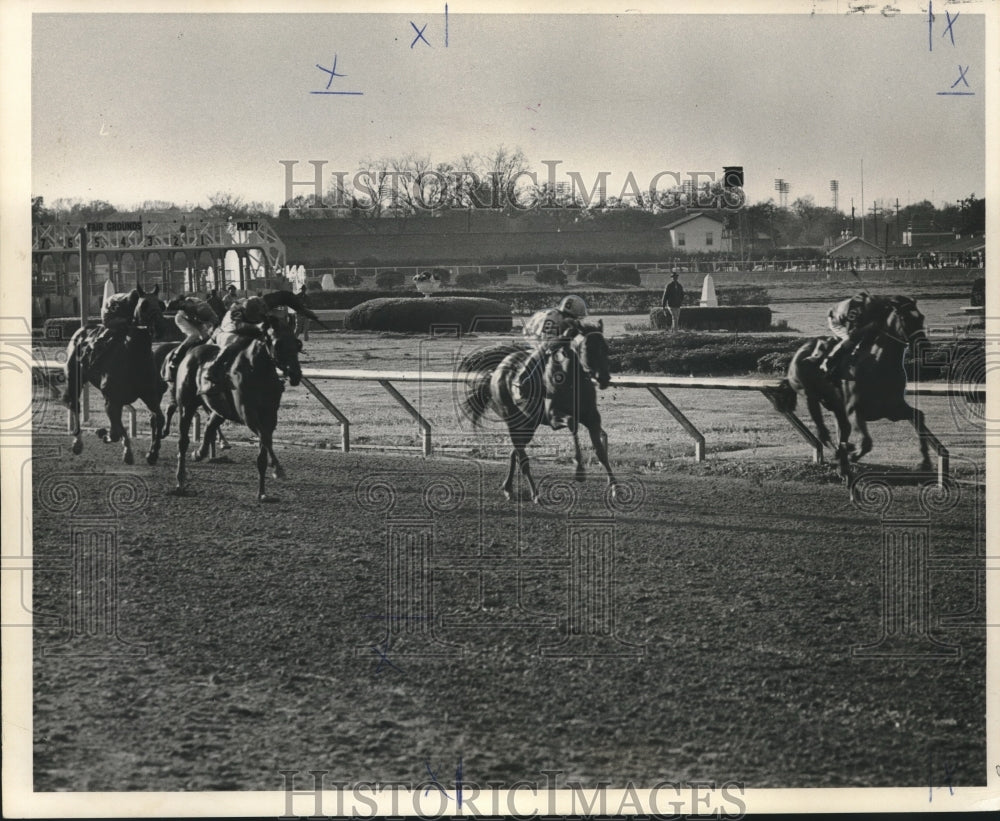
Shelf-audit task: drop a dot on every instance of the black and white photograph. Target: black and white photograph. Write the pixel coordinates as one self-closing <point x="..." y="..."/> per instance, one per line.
<point x="442" y="409"/>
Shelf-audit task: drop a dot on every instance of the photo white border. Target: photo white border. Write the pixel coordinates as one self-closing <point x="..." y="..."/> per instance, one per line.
<point x="15" y="287"/>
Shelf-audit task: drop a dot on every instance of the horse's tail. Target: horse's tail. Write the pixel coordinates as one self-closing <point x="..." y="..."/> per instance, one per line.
<point x="71" y="396"/>
<point x="477" y="397"/>
<point x="479" y="367"/>
<point x="784" y="397"/>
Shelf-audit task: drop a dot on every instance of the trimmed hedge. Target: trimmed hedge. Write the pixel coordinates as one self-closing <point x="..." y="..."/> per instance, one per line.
<point x="682" y="353"/>
<point x="472" y="279"/>
<point x="346" y="279"/>
<point x="743" y="318"/>
<point x="418" y="315"/>
<point x="625" y="301"/>
<point x="550" y="276"/>
<point x="961" y="361"/>
<point x="390" y="280"/>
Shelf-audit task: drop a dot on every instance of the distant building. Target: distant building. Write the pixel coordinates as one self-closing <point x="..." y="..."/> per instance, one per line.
<point x="699" y="233"/>
<point x="856" y="248"/>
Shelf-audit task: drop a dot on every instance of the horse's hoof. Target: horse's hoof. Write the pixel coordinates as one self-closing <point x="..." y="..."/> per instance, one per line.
<point x="181" y="491"/>
<point x="854" y="457"/>
<point x="151" y="458"/>
<point x="101" y="433"/>
<point x="198" y="456"/>
<point x="614" y="492"/>
<point x="267" y="499"/>
<point x="507" y="494"/>
<point x="77" y="447"/>
<point x="278" y="473"/>
<point x="225" y="446"/>
<point x="128" y="459"/>
<point x="925" y="466"/>
<point x="580" y="476"/>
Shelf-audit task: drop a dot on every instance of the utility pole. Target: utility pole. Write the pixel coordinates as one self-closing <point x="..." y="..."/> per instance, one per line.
<point x="898" y="237"/>
<point x="862" y="198"/>
<point x="875" y="210"/>
<point x="853" y="232"/>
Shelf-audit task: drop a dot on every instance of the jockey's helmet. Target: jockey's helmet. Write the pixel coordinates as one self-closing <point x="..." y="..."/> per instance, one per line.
<point x="573" y="306"/>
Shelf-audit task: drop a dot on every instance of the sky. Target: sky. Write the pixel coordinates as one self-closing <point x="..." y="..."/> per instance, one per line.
<point x="134" y="107"/>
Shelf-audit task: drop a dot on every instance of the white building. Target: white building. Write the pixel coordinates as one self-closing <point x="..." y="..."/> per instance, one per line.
<point x="699" y="233"/>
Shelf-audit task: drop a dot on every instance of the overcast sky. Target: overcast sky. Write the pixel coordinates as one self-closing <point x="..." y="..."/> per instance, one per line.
<point x="127" y="108"/>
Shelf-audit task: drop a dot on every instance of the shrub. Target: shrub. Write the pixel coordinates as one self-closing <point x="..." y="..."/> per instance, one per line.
<point x="627" y="275"/>
<point x="688" y="353"/>
<point x="389" y="280"/>
<point x="497" y="276"/>
<point x="776" y="362"/>
<point x="346" y="279"/>
<point x="443" y="275"/>
<point x="472" y="279"/>
<point x="550" y="276"/>
<point x="417" y="315"/>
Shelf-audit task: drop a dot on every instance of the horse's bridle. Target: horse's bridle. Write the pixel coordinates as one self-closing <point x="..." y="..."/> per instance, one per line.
<point x="909" y="339"/>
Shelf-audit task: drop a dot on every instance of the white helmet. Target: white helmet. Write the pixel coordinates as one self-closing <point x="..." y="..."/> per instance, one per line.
<point x="573" y="306"/>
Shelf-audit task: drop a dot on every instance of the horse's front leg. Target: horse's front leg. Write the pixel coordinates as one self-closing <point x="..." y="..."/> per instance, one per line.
<point x="277" y="471"/>
<point x="579" y="474"/>
<point x="265" y="446"/>
<point x="214" y="423"/>
<point x="118" y="431"/>
<point x="72" y="397"/>
<point x="508" y="483"/>
<point x="599" y="439"/>
<point x="920" y="425"/>
<point x="156" y="424"/>
<point x="866" y="440"/>
<point x="522" y="458"/>
<point x="183" y="440"/>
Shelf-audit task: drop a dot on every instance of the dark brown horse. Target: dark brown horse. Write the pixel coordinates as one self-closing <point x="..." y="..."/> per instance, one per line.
<point x="252" y="399"/>
<point x="875" y="387"/>
<point x="126" y="373"/>
<point x="162" y="355"/>
<point x="567" y="382"/>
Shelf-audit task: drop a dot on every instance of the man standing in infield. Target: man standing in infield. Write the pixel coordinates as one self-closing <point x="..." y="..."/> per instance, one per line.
<point x="673" y="298"/>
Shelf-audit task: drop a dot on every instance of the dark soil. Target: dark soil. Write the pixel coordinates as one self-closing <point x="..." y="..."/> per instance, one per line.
<point x="264" y="627"/>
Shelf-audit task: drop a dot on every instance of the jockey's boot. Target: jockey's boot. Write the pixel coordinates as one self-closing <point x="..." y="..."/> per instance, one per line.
<point x="836" y="364"/>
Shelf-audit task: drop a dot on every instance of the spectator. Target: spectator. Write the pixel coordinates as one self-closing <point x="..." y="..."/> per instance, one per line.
<point x="215" y="302"/>
<point x="673" y="298"/>
<point x="302" y="322"/>
<point x="230" y="298"/>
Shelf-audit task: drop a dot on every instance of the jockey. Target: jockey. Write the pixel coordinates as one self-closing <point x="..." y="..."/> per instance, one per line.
<point x="197" y="320"/>
<point x="245" y="321"/>
<point x="551" y="329"/>
<point x="118" y="319"/>
<point x="855" y="322"/>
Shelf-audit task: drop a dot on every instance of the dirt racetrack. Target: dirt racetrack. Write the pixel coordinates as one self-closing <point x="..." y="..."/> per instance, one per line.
<point x="738" y="596"/>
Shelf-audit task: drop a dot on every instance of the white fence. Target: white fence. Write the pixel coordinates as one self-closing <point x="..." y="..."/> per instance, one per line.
<point x="654" y="384"/>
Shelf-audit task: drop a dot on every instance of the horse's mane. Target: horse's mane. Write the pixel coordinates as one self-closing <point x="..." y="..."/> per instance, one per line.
<point x="592" y="326"/>
<point x="894" y="300"/>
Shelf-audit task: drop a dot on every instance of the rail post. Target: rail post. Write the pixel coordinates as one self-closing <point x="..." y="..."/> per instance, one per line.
<point x="692" y="431"/>
<point x="345" y="424"/>
<point x="425" y="427"/>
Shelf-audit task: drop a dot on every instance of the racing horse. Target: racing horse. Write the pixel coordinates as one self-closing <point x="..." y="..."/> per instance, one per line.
<point x="251" y="399"/>
<point x="127" y="373"/>
<point x="874" y="387"/>
<point x="161" y="355"/>
<point x="567" y="379"/>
